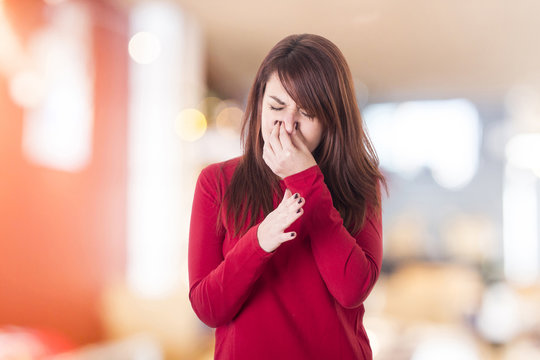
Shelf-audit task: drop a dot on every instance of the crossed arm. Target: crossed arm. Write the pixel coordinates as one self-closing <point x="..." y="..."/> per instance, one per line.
<point x="219" y="285"/>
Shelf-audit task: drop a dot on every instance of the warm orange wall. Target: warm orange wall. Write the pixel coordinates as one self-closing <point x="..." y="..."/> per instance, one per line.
<point x="62" y="235"/>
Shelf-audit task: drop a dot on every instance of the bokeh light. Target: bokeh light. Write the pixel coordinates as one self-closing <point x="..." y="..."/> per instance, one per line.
<point x="144" y="47"/>
<point x="190" y="124"/>
<point x="228" y="120"/>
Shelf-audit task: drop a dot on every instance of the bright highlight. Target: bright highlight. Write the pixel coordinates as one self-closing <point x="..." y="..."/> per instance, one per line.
<point x="190" y="124"/>
<point x="443" y="136"/>
<point x="523" y="151"/>
<point x="144" y="47"/>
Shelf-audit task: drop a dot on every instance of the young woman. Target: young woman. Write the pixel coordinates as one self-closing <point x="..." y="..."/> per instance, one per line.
<point x="285" y="241"/>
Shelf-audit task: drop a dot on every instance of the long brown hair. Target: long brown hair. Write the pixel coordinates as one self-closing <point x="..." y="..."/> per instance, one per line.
<point x="315" y="74"/>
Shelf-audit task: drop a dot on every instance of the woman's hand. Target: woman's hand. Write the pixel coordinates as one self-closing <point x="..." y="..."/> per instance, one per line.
<point x="287" y="154"/>
<point x="271" y="232"/>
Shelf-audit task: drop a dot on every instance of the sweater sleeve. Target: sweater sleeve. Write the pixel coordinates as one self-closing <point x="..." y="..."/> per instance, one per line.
<point x="219" y="285"/>
<point x="348" y="265"/>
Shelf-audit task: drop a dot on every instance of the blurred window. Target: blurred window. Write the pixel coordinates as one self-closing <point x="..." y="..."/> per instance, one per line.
<point x="443" y="136"/>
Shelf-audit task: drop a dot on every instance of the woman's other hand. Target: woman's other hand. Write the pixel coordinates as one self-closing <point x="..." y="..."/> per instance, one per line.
<point x="271" y="232"/>
<point x="287" y="154"/>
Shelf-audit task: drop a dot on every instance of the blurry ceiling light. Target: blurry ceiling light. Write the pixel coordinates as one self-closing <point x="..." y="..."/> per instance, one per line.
<point x="27" y="89"/>
<point x="443" y="136"/>
<point x="190" y="124"/>
<point x="523" y="151"/>
<point x="144" y="47"/>
<point x="228" y="120"/>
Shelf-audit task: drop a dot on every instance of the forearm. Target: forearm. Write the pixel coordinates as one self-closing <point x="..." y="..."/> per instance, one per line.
<point x="349" y="266"/>
<point x="217" y="297"/>
<point x="348" y="269"/>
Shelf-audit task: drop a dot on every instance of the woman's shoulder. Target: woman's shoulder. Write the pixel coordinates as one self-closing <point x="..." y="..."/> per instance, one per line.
<point x="221" y="170"/>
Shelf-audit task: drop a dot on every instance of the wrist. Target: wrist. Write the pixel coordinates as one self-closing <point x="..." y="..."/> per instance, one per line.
<point x="260" y="240"/>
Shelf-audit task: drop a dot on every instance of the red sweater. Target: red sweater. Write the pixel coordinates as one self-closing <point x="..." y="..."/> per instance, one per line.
<point x="302" y="301"/>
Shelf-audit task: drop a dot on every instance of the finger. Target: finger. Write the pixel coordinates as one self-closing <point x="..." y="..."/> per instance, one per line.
<point x="287" y="195"/>
<point x="285" y="138"/>
<point x="293" y="199"/>
<point x="301" y="201"/>
<point x="267" y="142"/>
<point x="297" y="205"/>
<point x="287" y="236"/>
<point x="299" y="140"/>
<point x="267" y="149"/>
<point x="293" y="216"/>
<point x="274" y="139"/>
<point x="289" y="216"/>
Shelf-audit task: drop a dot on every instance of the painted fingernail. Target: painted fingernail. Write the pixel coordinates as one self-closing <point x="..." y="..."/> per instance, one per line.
<point x="292" y="234"/>
<point x="296" y="196"/>
<point x="296" y="125"/>
<point x="275" y="122"/>
<point x="298" y="210"/>
<point x="299" y="201"/>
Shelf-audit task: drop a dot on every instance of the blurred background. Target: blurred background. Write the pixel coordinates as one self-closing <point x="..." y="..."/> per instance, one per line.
<point x="110" y="109"/>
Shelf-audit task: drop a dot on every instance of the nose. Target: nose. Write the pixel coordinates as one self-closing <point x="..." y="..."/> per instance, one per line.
<point x="289" y="118"/>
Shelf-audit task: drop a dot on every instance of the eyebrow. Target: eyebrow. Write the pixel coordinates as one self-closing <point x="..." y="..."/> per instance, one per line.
<point x="278" y="100"/>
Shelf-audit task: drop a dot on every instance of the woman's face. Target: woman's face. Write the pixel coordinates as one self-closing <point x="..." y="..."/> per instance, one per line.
<point x="278" y="105"/>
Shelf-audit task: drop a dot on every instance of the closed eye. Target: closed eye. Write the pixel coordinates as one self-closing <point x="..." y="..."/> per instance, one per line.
<point x="273" y="108"/>
<point x="307" y="115"/>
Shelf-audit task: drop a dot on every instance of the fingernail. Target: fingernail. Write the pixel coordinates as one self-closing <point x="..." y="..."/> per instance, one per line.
<point x="296" y="196"/>
<point x="275" y="122"/>
<point x="299" y="201"/>
<point x="292" y="234"/>
<point x="296" y="125"/>
<point x="298" y="210"/>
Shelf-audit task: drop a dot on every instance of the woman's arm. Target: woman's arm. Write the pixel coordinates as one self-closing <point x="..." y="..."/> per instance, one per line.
<point x="219" y="285"/>
<point x="348" y="265"/>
